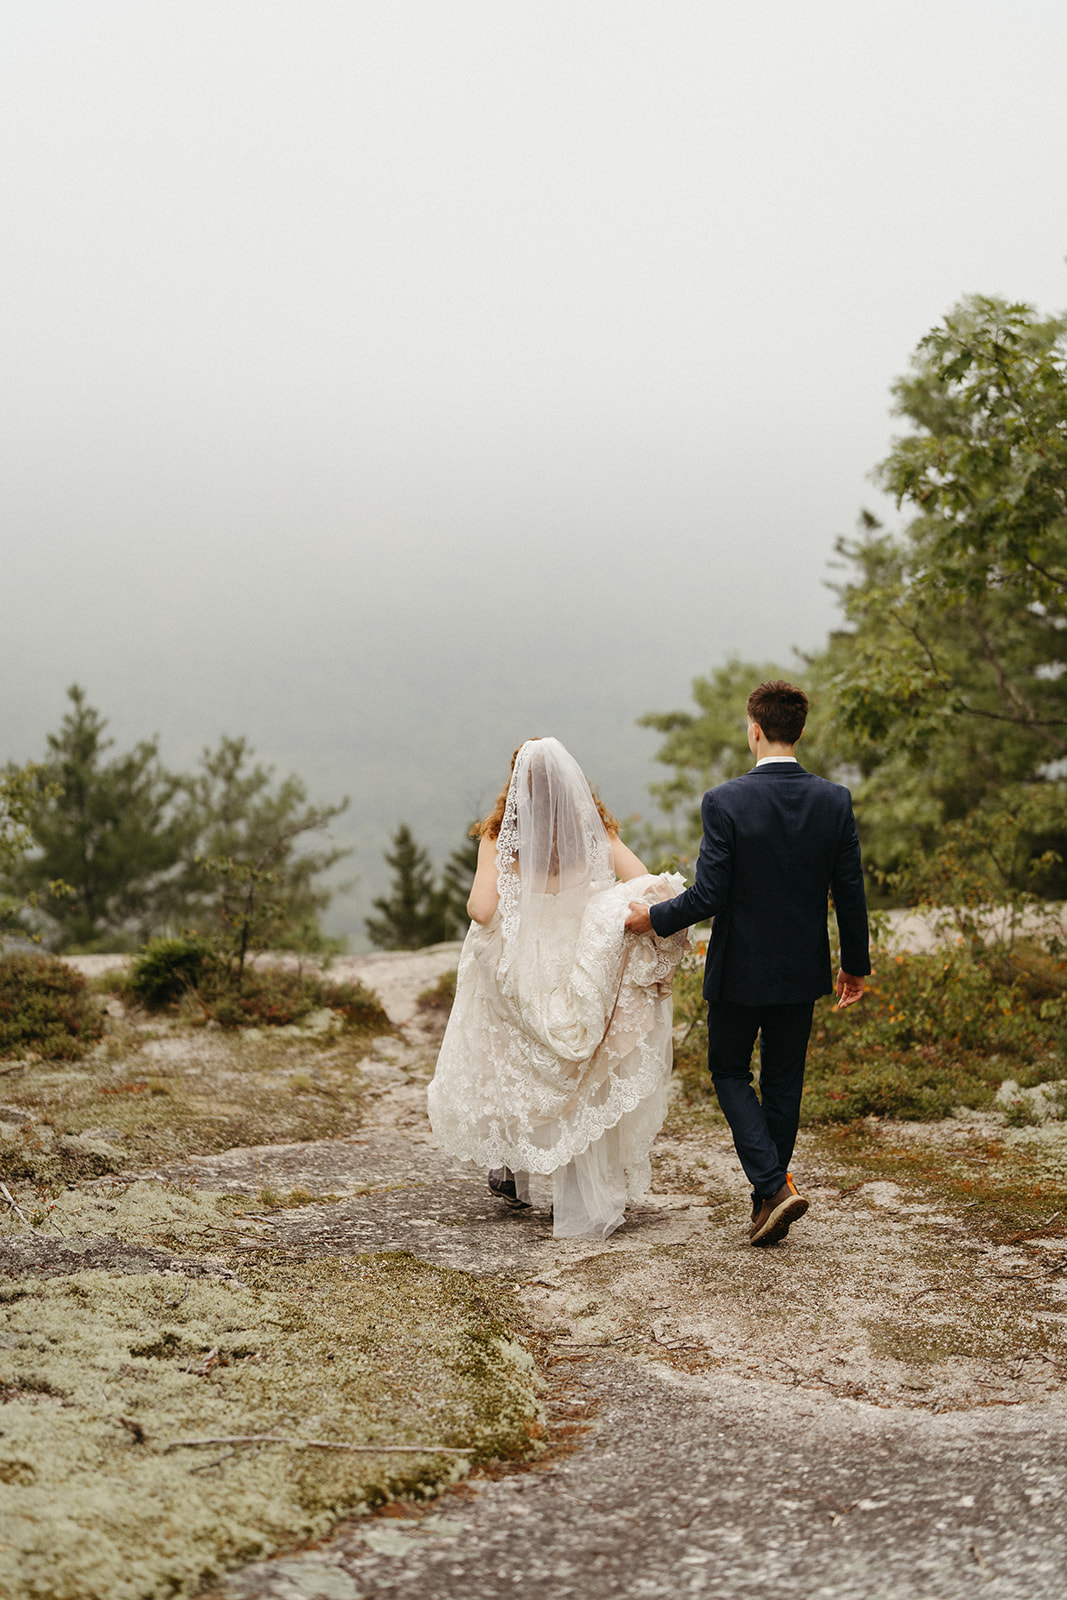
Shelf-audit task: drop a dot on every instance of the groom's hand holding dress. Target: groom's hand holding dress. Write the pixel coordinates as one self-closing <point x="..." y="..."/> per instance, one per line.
<point x="849" y="989"/>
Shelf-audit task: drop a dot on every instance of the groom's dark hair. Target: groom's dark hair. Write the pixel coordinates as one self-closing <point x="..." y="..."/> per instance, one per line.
<point x="781" y="709"/>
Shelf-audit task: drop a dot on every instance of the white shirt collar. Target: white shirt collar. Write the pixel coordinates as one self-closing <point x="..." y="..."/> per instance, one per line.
<point x="765" y="761"/>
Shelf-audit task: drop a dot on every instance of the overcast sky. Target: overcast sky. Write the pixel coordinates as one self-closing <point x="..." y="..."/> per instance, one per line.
<point x="389" y="381"/>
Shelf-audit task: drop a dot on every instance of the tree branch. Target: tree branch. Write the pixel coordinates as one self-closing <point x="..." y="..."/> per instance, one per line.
<point x="1057" y="583"/>
<point x="1039" y="725"/>
<point x="910" y="627"/>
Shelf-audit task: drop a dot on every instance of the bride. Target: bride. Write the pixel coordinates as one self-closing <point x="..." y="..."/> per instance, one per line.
<point x="557" y="1054"/>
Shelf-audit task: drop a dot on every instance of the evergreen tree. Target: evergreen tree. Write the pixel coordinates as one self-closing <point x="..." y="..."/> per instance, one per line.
<point x="18" y="794"/>
<point x="111" y="830"/>
<point x="416" y="912"/>
<point x="456" y="880"/>
<point x="110" y="852"/>
<point x="249" y="883"/>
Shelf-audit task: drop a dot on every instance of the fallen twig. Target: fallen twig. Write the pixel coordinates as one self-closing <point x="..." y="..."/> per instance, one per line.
<point x="206" y="1466"/>
<point x="13" y="1203"/>
<point x="935" y="1288"/>
<point x="983" y="1564"/>
<point x="322" y="1444"/>
<point x="20" y="1066"/>
<point x="597" y="1505"/>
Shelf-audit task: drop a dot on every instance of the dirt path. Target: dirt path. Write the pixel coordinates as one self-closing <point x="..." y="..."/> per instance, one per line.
<point x="877" y="1410"/>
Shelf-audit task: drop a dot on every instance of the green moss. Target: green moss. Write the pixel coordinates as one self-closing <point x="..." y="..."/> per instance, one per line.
<point x="374" y="1349"/>
<point x="176" y="1093"/>
<point x="1006" y="1189"/>
<point x="925" y="1340"/>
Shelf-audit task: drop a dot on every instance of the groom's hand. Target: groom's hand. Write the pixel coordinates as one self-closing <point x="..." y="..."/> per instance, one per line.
<point x="638" y="919"/>
<point x="849" y="990"/>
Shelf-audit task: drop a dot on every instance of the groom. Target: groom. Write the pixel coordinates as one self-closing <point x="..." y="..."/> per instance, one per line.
<point x="776" y="842"/>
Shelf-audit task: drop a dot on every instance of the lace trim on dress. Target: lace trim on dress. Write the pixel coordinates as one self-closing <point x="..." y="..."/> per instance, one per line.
<point x="534" y="1081"/>
<point x="507" y="862"/>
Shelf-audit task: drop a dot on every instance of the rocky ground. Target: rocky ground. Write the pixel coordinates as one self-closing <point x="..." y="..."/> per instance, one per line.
<point x="876" y="1409"/>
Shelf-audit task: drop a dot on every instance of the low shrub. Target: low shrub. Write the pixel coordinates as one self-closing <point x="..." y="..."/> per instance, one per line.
<point x="691" y="1047"/>
<point x="265" y="997"/>
<point x="360" y="1007"/>
<point x="188" y="976"/>
<point x="168" y="969"/>
<point x="276" y="997"/>
<point x="440" y="996"/>
<point x="934" y="1031"/>
<point x="45" y="1008"/>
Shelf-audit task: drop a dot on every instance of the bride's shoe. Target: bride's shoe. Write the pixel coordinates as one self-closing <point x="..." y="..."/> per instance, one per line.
<point x="502" y="1184"/>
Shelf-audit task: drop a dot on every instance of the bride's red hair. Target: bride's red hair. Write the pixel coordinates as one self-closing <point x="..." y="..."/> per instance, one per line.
<point x="490" y="825"/>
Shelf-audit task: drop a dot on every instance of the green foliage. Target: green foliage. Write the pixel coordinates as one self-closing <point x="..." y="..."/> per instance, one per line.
<point x="360" y="1007"/>
<point x="690" y="1013"/>
<point x="18" y="790"/>
<point x="269" y="997"/>
<point x="457" y="878"/>
<point x="703" y="748"/>
<point x="986" y="878"/>
<point x="936" y="1031"/>
<point x="188" y="974"/>
<point x="947" y="689"/>
<point x="440" y="996"/>
<point x="416" y="912"/>
<point x="168" y="969"/>
<point x="45" y="1008"/>
<point x="948" y="684"/>
<point x="250" y="885"/>
<point x="105" y="835"/>
<point x="222" y="851"/>
<point x="933" y="1031"/>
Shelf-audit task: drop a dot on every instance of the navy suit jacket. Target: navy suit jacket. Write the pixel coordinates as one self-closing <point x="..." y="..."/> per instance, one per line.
<point x="776" y="843"/>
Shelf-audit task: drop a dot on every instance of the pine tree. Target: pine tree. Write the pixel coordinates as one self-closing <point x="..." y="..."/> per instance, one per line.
<point x="416" y="912"/>
<point x="456" y="880"/>
<point x="110" y="829"/>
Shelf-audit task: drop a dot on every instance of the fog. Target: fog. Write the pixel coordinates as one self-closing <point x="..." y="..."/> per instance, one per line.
<point x="390" y="381"/>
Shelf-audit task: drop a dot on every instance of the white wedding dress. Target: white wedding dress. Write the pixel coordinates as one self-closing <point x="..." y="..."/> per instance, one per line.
<point x="557" y="1054"/>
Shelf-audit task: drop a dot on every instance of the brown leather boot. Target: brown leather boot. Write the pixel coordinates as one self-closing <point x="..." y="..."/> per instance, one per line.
<point x="759" y="1207"/>
<point x="776" y="1216"/>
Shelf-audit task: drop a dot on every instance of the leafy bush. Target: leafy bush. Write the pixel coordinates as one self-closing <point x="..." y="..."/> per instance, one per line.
<point x="45" y="1007"/>
<point x="275" y="997"/>
<point x="690" y="1012"/>
<point x="168" y="969"/>
<point x="440" y="996"/>
<point x="934" y="1031"/>
<point x="360" y="1007"/>
<point x="267" y="997"/>
<point x="188" y="975"/>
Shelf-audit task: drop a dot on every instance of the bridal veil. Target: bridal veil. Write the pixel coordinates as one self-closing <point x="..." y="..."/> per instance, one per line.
<point x="557" y="1054"/>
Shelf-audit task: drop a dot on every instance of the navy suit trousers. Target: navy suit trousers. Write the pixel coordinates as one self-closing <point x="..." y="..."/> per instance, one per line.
<point x="764" y="1129"/>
